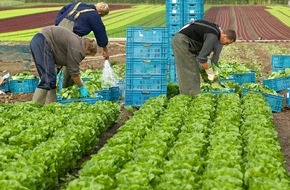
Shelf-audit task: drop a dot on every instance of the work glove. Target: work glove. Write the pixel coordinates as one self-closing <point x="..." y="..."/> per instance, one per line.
<point x="216" y="72"/>
<point x="210" y="74"/>
<point x="84" y="92"/>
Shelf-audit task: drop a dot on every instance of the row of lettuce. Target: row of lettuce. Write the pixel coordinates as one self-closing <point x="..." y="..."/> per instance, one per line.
<point x="203" y="142"/>
<point x="207" y="142"/>
<point x="40" y="144"/>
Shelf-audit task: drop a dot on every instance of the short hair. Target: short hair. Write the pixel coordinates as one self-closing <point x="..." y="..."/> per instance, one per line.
<point x="231" y="34"/>
<point x="90" y="46"/>
<point x="102" y="8"/>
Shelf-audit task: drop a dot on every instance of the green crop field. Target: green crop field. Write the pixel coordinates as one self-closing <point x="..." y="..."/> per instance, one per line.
<point x="282" y="13"/>
<point x="116" y="22"/>
<point x="26" y="11"/>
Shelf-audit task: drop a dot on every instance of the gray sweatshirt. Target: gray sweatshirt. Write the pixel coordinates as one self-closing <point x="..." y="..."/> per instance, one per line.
<point x="68" y="48"/>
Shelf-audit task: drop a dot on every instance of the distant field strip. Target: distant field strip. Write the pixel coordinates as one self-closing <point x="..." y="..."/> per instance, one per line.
<point x="130" y="17"/>
<point x="156" y="19"/>
<point x="282" y="13"/>
<point x="19" y="36"/>
<point x="23" y="12"/>
<point x="116" y="22"/>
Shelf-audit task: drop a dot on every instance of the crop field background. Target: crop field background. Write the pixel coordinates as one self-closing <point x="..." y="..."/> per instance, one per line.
<point x="250" y="22"/>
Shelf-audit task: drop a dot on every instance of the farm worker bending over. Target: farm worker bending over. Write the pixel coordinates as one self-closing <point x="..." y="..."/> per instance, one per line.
<point x="192" y="45"/>
<point x="82" y="18"/>
<point x="57" y="46"/>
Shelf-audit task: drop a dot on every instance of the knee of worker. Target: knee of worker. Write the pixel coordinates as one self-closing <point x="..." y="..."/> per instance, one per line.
<point x="37" y="41"/>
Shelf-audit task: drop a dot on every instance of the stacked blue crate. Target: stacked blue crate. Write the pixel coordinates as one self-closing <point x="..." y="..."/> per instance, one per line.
<point x="193" y="10"/>
<point x="174" y="21"/>
<point x="179" y="13"/>
<point x="280" y="62"/>
<point x="146" y="59"/>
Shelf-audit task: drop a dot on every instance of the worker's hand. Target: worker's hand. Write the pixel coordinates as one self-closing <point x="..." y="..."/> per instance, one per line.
<point x="210" y="74"/>
<point x="106" y="56"/>
<point x="106" y="53"/>
<point x="84" y="92"/>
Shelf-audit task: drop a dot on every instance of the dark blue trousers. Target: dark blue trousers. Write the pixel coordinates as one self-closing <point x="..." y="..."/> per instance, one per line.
<point x="43" y="58"/>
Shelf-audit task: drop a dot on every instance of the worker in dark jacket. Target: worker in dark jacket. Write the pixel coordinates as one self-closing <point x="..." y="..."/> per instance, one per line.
<point x="82" y="19"/>
<point x="57" y="46"/>
<point x="192" y="45"/>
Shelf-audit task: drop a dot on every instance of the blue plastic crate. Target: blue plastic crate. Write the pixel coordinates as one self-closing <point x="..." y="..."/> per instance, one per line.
<point x="280" y="62"/>
<point x="275" y="101"/>
<point x="59" y="80"/>
<point x="190" y="18"/>
<point x="5" y="86"/>
<point x="85" y="79"/>
<point x="227" y="80"/>
<point x="137" y="99"/>
<point x="240" y="78"/>
<point x="172" y="74"/>
<point x="216" y="92"/>
<point x="193" y="2"/>
<point x="110" y="94"/>
<point x="195" y="9"/>
<point x="174" y="13"/>
<point x="277" y="84"/>
<point x="146" y="84"/>
<point x="146" y="34"/>
<point x="90" y="100"/>
<point x="174" y="2"/>
<point x="288" y="97"/>
<point x="121" y="85"/>
<point x="115" y="93"/>
<point x="104" y="93"/>
<point x="172" y="30"/>
<point x="23" y="86"/>
<point x="146" y="51"/>
<point x="145" y="67"/>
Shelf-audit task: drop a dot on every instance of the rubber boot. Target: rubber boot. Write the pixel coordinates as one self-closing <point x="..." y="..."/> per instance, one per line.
<point x="39" y="96"/>
<point x="51" y="96"/>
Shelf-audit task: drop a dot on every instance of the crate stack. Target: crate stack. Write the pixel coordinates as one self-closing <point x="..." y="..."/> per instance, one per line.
<point x="279" y="63"/>
<point x="280" y="84"/>
<point x="179" y="13"/>
<point x="146" y="64"/>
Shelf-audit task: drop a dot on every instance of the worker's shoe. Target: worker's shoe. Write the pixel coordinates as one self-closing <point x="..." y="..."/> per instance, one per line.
<point x="51" y="96"/>
<point x="39" y="96"/>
